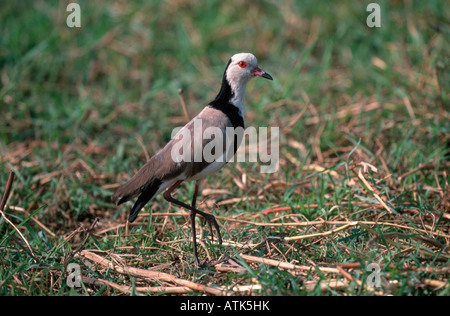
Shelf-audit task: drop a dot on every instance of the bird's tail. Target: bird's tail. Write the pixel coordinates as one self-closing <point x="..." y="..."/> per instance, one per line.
<point x="145" y="192"/>
<point x="145" y="196"/>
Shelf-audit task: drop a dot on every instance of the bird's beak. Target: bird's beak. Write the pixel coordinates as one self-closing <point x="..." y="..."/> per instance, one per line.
<point x="259" y="72"/>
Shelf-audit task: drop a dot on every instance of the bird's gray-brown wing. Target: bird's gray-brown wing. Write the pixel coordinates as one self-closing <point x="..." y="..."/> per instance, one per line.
<point x="162" y="167"/>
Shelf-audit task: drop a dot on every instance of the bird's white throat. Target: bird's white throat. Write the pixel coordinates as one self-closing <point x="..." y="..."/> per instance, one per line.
<point x="238" y="86"/>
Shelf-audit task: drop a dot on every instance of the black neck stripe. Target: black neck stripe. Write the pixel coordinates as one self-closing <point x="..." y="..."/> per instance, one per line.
<point x="222" y="102"/>
<point x="225" y="93"/>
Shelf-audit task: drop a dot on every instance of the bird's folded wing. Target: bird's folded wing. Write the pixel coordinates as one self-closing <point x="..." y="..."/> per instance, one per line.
<point x="170" y="163"/>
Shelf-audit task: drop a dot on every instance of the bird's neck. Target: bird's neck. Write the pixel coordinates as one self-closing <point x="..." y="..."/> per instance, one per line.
<point x="238" y="98"/>
<point x="231" y="93"/>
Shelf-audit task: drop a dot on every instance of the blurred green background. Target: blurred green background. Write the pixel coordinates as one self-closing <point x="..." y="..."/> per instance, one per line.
<point x="62" y="82"/>
<point x="81" y="108"/>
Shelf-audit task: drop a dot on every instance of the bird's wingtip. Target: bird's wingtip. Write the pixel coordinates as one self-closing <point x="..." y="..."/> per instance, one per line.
<point x="117" y="199"/>
<point x="132" y="217"/>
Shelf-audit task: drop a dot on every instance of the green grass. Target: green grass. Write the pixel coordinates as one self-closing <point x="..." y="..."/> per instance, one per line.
<point x="76" y="102"/>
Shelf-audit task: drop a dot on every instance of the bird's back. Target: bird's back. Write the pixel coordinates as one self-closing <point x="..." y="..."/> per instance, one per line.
<point x="166" y="165"/>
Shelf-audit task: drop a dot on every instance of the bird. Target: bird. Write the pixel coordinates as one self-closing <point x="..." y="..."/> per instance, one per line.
<point x="164" y="173"/>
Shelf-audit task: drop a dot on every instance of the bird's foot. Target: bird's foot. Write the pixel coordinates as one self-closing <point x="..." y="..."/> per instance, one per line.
<point x="211" y="219"/>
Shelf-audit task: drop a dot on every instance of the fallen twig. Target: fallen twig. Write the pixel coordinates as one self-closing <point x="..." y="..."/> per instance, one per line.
<point x="286" y="265"/>
<point x="142" y="289"/>
<point x="152" y="275"/>
<point x="2" y="206"/>
<point x="327" y="233"/>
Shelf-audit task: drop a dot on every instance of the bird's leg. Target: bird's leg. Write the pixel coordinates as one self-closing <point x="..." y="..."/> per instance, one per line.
<point x="192" y="217"/>
<point x="194" y="202"/>
<point x="208" y="217"/>
<point x="194" y="198"/>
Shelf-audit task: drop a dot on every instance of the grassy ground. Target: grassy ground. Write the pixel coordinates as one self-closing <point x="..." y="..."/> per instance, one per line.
<point x="364" y="147"/>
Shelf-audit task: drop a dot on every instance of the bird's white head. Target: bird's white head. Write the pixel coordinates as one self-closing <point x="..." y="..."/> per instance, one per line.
<point x="242" y="68"/>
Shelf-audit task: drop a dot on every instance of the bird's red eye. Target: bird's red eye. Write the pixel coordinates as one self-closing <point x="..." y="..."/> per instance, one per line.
<point x="242" y="64"/>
